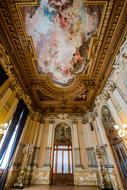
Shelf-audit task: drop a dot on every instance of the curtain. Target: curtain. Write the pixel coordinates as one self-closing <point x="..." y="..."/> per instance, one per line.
<point x="20" y="121"/>
<point x="3" y="76"/>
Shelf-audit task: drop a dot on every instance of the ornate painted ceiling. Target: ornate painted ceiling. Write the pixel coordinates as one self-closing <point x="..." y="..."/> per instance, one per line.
<point x="62" y="51"/>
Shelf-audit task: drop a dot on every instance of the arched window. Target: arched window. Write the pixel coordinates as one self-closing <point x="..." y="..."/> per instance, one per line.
<point x="62" y="159"/>
<point x="117" y="144"/>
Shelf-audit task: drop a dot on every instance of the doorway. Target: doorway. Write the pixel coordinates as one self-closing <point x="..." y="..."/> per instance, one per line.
<point x="62" y="169"/>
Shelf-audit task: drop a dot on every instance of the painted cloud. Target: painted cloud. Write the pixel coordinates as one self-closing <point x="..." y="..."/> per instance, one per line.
<point x="61" y="30"/>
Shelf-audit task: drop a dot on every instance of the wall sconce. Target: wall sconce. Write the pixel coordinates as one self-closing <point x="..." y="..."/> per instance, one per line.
<point x="3" y="127"/>
<point x="122" y="131"/>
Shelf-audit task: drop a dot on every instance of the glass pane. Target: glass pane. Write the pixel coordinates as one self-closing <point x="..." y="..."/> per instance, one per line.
<point x="65" y="161"/>
<point x="63" y="147"/>
<point x="59" y="161"/>
<point x="70" y="152"/>
<point x="5" y="158"/>
<point x="54" y="163"/>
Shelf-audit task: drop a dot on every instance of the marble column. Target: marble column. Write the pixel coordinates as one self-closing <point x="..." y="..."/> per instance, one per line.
<point x="44" y="140"/>
<point x="113" y="111"/>
<point x="25" y="131"/>
<point x="98" y="128"/>
<point x="31" y="138"/>
<point x="76" y="146"/>
<point x="40" y="143"/>
<point x="49" y="146"/>
<point x="37" y="143"/>
<point x="83" y="152"/>
<point x="35" y="128"/>
<point x="105" y="141"/>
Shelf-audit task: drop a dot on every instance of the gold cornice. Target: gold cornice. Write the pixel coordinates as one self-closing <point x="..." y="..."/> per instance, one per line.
<point x="21" y="51"/>
<point x="94" y="39"/>
<point x="14" y="83"/>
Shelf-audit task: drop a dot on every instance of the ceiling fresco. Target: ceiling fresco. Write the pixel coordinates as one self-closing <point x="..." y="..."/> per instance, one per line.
<point x="61" y="51"/>
<point x="61" y="32"/>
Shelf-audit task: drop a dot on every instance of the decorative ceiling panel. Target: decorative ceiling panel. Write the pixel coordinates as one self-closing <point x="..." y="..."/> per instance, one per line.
<point x="61" y="32"/>
<point x="62" y="51"/>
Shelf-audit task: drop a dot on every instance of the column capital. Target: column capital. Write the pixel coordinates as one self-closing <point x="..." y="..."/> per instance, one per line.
<point x="36" y="116"/>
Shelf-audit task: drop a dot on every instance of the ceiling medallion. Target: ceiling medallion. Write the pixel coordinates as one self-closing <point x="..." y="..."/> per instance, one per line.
<point x="61" y="32"/>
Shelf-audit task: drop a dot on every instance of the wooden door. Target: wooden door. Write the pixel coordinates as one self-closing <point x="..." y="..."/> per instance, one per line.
<point x="62" y="165"/>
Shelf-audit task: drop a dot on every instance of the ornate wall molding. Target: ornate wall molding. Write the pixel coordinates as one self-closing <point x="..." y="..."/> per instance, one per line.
<point x="14" y="83"/>
<point x="103" y="47"/>
<point x="121" y="59"/>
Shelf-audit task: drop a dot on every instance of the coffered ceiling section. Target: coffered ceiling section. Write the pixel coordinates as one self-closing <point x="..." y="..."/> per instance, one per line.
<point x="62" y="50"/>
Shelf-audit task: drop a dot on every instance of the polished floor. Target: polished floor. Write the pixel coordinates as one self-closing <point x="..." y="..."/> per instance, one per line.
<point x="53" y="187"/>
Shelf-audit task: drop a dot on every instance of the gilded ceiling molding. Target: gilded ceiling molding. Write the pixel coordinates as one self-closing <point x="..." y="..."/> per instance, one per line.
<point x="58" y="92"/>
<point x="97" y="38"/>
<point x="14" y="83"/>
<point x="102" y="49"/>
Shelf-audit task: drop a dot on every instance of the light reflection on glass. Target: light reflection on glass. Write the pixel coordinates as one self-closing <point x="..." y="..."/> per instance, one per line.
<point x="62" y="159"/>
<point x="70" y="152"/>
<point x="59" y="166"/>
<point x="5" y="158"/>
<point x="54" y="163"/>
<point x="65" y="161"/>
<point x="63" y="147"/>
